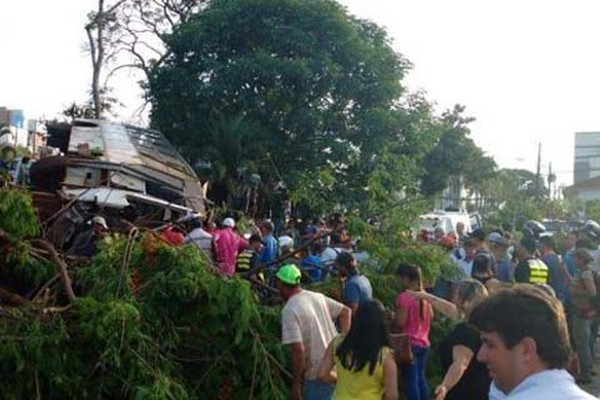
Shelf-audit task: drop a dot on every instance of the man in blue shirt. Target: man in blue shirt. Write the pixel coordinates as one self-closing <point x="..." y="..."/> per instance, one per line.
<point x="269" y="250"/>
<point x="552" y="261"/>
<point x="505" y="270"/>
<point x="357" y="288"/>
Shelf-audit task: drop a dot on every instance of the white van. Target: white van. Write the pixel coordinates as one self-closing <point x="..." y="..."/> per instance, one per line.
<point x="447" y="221"/>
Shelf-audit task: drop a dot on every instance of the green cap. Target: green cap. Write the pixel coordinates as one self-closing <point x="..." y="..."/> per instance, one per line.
<point x="289" y="274"/>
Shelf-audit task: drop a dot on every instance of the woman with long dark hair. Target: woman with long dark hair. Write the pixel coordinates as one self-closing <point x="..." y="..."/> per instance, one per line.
<point x="363" y="359"/>
<point x="413" y="317"/>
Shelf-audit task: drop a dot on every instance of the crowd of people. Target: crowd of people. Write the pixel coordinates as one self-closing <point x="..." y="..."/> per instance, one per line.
<point x="499" y="260"/>
<point x="512" y="309"/>
<point x="313" y="246"/>
<point x="490" y="353"/>
<point x="518" y="309"/>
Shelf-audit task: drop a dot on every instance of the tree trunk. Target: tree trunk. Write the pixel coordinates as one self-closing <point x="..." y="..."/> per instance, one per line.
<point x="97" y="55"/>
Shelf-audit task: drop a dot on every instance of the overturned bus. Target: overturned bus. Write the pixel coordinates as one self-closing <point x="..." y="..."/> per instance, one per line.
<point x="115" y="170"/>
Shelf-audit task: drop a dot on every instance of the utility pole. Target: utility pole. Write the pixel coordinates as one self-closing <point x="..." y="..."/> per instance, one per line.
<point x="550" y="181"/>
<point x="538" y="172"/>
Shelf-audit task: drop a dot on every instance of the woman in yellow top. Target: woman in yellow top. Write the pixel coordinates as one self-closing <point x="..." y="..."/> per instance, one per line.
<point x="363" y="359"/>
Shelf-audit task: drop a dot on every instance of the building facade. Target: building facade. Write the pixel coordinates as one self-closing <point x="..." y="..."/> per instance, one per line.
<point x="586" y="171"/>
<point x="587" y="156"/>
<point x="25" y="133"/>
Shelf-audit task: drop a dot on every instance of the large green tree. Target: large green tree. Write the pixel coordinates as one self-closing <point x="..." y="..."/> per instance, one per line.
<point x="456" y="154"/>
<point x="314" y="92"/>
<point x="512" y="195"/>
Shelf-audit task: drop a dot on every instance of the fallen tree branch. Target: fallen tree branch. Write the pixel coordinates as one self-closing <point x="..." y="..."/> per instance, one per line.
<point x="12" y="298"/>
<point x="70" y="257"/>
<point x="45" y="286"/>
<point x="284" y="257"/>
<point x="131" y="237"/>
<point x="62" y="266"/>
<point x="54" y="310"/>
<point x="5" y="236"/>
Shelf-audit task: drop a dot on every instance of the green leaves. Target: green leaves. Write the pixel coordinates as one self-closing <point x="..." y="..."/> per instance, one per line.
<point x="164" y="326"/>
<point x="17" y="215"/>
<point x="314" y="88"/>
<point x="455" y="155"/>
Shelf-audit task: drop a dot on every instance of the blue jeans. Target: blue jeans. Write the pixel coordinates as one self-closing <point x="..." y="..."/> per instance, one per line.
<point x="582" y="333"/>
<point x="413" y="374"/>
<point x="317" y="390"/>
<point x="594" y="335"/>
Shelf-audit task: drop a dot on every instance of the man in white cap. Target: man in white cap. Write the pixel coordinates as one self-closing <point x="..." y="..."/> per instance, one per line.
<point x="307" y="327"/>
<point x="84" y="243"/>
<point x="286" y="246"/>
<point x="100" y="223"/>
<point x="227" y="246"/>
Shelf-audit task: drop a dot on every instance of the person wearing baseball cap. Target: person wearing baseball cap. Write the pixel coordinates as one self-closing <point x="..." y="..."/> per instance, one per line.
<point x="227" y="246"/>
<point x="307" y="327"/>
<point x="84" y="244"/>
<point x="505" y="269"/>
<point x="229" y="222"/>
<point x="98" y="220"/>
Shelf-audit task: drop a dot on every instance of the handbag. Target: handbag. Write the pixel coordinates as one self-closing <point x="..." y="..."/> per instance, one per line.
<point x="402" y="348"/>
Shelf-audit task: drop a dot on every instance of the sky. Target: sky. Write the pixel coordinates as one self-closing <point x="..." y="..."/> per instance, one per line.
<point x="528" y="71"/>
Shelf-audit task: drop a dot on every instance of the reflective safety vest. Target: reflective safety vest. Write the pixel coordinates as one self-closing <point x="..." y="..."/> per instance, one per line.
<point x="538" y="271"/>
<point x="244" y="259"/>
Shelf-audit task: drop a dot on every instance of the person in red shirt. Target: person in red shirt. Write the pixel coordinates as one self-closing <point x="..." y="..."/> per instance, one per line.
<point x="171" y="235"/>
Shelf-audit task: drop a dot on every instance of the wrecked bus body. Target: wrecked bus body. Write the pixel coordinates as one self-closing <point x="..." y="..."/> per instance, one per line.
<point x="115" y="170"/>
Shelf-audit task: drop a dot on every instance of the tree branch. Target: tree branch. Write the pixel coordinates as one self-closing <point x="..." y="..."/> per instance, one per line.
<point x="88" y="30"/>
<point x="12" y="298"/>
<point x="114" y="70"/>
<point x="62" y="266"/>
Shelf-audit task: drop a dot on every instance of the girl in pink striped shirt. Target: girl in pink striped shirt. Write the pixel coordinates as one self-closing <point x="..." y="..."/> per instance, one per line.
<point x="413" y="317"/>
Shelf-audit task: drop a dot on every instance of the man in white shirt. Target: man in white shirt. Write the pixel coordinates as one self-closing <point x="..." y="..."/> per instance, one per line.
<point x="201" y="238"/>
<point x="307" y="326"/>
<point x="463" y="257"/>
<point x="526" y="346"/>
<point x="330" y="253"/>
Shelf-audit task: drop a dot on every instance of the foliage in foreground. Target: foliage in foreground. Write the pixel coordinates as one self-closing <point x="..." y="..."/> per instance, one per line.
<point x="150" y="322"/>
<point x="155" y="322"/>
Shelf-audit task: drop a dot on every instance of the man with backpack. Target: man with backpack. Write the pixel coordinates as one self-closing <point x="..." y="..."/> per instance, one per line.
<point x="553" y="261"/>
<point x="583" y="291"/>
